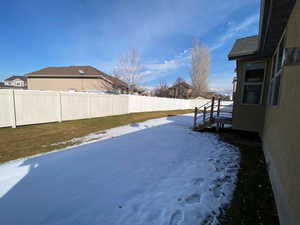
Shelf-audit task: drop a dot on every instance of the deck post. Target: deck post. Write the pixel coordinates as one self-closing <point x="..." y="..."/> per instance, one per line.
<point x="219" y="104"/>
<point x="195" y="117"/>
<point x="218" y="125"/>
<point x="212" y="109"/>
<point x="204" y="114"/>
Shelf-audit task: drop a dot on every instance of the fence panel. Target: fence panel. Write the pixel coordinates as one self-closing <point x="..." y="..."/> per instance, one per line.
<point x="23" y="107"/>
<point x="32" y="107"/>
<point x="5" y="109"/>
<point x="74" y="106"/>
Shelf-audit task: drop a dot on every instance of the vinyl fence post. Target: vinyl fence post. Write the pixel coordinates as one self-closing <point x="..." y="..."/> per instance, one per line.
<point x="59" y="107"/>
<point x="89" y="106"/>
<point x="12" y="107"/>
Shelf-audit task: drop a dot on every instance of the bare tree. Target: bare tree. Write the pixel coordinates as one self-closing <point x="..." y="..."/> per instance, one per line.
<point x="162" y="90"/>
<point x="179" y="80"/>
<point x="200" y="68"/>
<point x="128" y="69"/>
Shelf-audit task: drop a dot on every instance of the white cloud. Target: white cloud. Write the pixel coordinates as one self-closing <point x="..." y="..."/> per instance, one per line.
<point x="165" y="66"/>
<point x="154" y="71"/>
<point x="141" y="29"/>
<point x="234" y="30"/>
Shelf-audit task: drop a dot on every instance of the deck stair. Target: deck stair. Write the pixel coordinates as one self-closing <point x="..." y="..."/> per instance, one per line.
<point x="211" y="114"/>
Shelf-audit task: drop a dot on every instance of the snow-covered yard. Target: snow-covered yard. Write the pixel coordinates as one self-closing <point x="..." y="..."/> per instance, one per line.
<point x="157" y="172"/>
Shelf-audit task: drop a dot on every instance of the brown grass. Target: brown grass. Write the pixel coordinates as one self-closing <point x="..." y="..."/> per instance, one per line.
<point x="35" y="139"/>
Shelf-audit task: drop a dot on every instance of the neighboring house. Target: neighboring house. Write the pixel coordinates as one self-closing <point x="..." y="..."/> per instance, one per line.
<point x="15" y="82"/>
<point x="2" y="85"/>
<point x="180" y="90"/>
<point x="74" y="78"/>
<point x="267" y="95"/>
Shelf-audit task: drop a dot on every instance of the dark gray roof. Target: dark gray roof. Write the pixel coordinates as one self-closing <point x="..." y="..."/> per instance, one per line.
<point x="16" y="77"/>
<point x="67" y="70"/>
<point x="244" y="47"/>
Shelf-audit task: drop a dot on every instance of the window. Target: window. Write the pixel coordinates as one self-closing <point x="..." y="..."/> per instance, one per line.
<point x="19" y="83"/>
<point x="234" y="85"/>
<point x="292" y="56"/>
<point x="253" y="82"/>
<point x="279" y="59"/>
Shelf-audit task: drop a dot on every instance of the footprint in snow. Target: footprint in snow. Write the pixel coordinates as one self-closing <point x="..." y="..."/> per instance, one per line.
<point x="208" y="220"/>
<point x="198" y="181"/>
<point x="176" y="218"/>
<point x="194" y="198"/>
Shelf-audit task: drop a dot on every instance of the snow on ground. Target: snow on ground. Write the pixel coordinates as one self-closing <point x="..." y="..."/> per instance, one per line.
<point x="155" y="172"/>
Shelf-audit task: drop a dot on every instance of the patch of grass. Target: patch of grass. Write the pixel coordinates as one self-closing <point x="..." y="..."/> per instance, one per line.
<point x="253" y="201"/>
<point x="34" y="139"/>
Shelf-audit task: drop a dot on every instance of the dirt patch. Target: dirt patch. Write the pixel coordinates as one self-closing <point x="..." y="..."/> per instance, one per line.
<point x="253" y="201"/>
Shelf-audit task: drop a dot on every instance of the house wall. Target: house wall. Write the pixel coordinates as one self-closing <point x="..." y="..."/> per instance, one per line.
<point x="281" y="136"/>
<point x="66" y="84"/>
<point x="180" y="91"/>
<point x="249" y="117"/>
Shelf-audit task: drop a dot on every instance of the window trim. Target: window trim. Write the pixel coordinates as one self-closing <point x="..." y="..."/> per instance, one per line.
<point x="244" y="83"/>
<point x="19" y="83"/>
<point x="276" y="73"/>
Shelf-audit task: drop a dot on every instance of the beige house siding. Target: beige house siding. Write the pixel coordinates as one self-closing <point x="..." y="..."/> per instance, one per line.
<point x="66" y="84"/>
<point x="249" y="117"/>
<point x="281" y="137"/>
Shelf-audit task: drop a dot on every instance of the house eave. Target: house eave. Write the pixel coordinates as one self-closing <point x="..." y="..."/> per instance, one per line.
<point x="70" y="76"/>
<point x="274" y="17"/>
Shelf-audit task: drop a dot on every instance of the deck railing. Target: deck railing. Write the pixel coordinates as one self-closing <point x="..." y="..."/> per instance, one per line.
<point x="210" y="111"/>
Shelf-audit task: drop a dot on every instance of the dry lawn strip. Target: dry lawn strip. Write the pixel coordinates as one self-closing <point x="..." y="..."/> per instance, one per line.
<point x="34" y="139"/>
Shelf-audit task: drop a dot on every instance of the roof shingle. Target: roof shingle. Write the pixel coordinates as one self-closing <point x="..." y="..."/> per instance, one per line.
<point x="68" y="70"/>
<point x="244" y="47"/>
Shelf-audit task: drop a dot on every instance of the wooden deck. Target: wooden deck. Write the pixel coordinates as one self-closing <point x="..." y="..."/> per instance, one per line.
<point x="213" y="115"/>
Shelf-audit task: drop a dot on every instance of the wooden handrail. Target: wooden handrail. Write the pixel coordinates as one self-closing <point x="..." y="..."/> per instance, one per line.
<point x="213" y="108"/>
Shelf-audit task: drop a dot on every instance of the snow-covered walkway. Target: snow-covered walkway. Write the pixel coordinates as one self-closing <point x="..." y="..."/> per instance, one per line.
<point x="157" y="172"/>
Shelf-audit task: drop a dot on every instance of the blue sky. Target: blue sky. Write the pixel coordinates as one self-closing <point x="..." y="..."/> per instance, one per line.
<point x="37" y="34"/>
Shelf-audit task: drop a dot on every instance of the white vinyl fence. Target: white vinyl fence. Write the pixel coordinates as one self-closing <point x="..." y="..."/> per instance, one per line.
<point x="24" y="107"/>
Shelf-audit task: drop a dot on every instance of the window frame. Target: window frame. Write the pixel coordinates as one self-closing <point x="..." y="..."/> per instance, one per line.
<point x="253" y="83"/>
<point x="19" y="83"/>
<point x="277" y="73"/>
